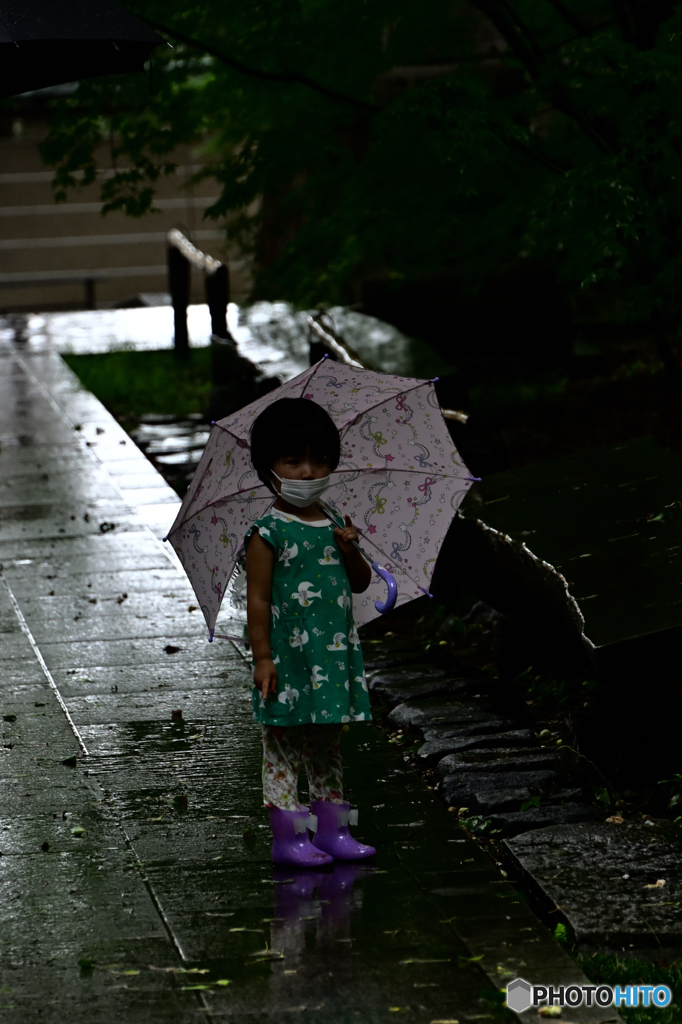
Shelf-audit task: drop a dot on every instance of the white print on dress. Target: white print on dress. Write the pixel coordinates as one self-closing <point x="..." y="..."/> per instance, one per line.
<point x="353" y="638"/>
<point x="290" y="696"/>
<point x="343" y="600"/>
<point x="288" y="553"/>
<point x="356" y="718"/>
<point x="347" y="684"/>
<point x="338" y="644"/>
<point x="316" y="679"/>
<point x="330" y="556"/>
<point x="299" y="638"/>
<point x="275" y="660"/>
<point x="275" y="611"/>
<point x="305" y="594"/>
<point x="361" y="679"/>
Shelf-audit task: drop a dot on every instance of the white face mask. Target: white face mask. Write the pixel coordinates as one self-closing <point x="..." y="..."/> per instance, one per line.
<point x="302" y="492"/>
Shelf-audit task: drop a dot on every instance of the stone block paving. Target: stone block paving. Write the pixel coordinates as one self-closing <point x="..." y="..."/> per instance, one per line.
<point x="135" y="878"/>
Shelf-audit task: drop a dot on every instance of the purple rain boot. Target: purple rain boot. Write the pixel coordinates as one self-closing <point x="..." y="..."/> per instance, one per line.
<point x="290" y="841"/>
<point x="332" y="834"/>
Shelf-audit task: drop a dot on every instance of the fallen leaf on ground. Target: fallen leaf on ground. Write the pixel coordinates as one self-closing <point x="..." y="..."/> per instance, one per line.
<point x="615" y="819"/>
<point x="550" y="1011"/>
<point x="656" y="885"/>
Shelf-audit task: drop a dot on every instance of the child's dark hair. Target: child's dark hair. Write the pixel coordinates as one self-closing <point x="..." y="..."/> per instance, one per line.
<point x="288" y="427"/>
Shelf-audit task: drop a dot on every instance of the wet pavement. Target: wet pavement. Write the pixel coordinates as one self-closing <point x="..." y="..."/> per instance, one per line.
<point x="135" y="879"/>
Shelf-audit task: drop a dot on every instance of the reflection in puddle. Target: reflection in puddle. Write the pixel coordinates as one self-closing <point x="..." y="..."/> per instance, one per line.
<point x="313" y="912"/>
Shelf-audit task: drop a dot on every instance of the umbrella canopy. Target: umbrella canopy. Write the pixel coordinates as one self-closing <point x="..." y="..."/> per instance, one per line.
<point x="400" y="479"/>
<point x="47" y="42"/>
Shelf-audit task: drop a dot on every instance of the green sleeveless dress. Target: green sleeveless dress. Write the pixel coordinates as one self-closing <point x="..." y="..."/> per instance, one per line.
<point x="315" y="644"/>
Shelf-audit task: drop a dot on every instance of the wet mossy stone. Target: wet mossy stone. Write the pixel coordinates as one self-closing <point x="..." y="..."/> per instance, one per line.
<point x="434" y="750"/>
<point x="598" y="872"/>
<point x="513" y="823"/>
<point x="501" y="790"/>
<point x="486" y="762"/>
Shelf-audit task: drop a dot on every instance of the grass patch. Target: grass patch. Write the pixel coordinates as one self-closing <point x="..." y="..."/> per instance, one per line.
<point x="132" y="384"/>
<point x="606" y="968"/>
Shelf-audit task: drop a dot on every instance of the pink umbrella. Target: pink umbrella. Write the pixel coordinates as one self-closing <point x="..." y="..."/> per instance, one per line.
<point x="400" y="479"/>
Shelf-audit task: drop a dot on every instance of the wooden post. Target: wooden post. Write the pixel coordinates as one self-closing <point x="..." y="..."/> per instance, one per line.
<point x="178" y="286"/>
<point x="217" y="297"/>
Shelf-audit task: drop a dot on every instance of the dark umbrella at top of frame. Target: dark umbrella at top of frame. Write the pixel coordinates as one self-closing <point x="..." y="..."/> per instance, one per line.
<point x="47" y="42"/>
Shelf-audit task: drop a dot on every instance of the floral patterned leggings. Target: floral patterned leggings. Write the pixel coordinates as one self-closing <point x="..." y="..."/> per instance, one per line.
<point x="286" y="748"/>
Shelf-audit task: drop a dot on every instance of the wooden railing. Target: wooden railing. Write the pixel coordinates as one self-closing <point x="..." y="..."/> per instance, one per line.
<point x="182" y="256"/>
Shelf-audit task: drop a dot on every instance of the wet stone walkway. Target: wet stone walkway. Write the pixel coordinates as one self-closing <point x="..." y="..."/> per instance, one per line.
<point x="135" y="880"/>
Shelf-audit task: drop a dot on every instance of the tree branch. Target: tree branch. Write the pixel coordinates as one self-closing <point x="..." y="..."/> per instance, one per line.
<point x="623" y="21"/>
<point x="569" y="17"/>
<point x="528" y="55"/>
<point x="539" y="158"/>
<point x="267" y="76"/>
<point x="509" y="24"/>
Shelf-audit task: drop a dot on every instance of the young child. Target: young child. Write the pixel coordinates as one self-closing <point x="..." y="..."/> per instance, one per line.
<point x="301" y="569"/>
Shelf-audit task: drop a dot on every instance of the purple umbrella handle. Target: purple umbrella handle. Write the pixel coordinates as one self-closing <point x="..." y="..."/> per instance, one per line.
<point x="390" y="582"/>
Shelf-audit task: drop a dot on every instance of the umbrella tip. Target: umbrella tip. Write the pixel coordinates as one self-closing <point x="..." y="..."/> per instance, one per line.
<point x="165" y="538"/>
<point x="213" y="423"/>
<point x="427" y="592"/>
<point x="474" y="479"/>
<point x="434" y="380"/>
<point x="325" y="356"/>
<point x="210" y="635"/>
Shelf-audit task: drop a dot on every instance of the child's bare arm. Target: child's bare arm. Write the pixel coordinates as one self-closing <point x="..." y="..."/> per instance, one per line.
<point x="359" y="573"/>
<point x="260" y="559"/>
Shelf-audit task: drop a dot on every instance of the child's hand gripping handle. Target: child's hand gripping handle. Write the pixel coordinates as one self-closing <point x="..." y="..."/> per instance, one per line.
<point x="390" y="582"/>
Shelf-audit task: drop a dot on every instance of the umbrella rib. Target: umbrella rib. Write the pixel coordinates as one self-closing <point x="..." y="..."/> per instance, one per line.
<point x="233" y="494"/>
<point x="226" y="430"/>
<point x="203" y="477"/>
<point x="314" y="369"/>
<point x="398" y="391"/>
<point x="401" y="469"/>
<point x="396" y="568"/>
<point x="375" y="546"/>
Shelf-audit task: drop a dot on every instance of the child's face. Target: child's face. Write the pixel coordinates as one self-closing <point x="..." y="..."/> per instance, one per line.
<point x="301" y="467"/>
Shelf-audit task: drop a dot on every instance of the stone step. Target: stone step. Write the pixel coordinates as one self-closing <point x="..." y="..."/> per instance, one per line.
<point x="513" y="759"/>
<point x="435" y="750"/>
<point x="396" y="692"/>
<point x="499" y="791"/>
<point x="512" y="823"/>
